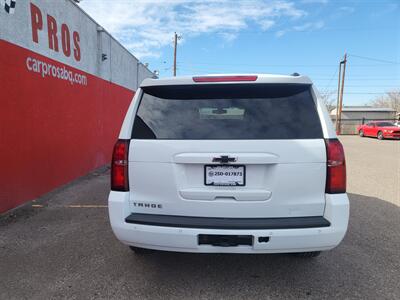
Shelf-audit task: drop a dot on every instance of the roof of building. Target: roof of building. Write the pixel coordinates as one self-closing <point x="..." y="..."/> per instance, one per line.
<point x="364" y="109"/>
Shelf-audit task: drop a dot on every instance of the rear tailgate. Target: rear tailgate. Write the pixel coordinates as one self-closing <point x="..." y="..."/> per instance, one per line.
<point x="273" y="138"/>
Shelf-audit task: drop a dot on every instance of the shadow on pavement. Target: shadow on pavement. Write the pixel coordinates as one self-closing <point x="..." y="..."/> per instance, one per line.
<point x="60" y="253"/>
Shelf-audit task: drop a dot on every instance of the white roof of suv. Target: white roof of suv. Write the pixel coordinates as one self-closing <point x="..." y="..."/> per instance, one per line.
<point x="260" y="78"/>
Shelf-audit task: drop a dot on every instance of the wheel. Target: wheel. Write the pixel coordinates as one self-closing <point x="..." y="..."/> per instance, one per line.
<point x="380" y="135"/>
<point x="361" y="133"/>
<point x="140" y="251"/>
<point x="308" y="254"/>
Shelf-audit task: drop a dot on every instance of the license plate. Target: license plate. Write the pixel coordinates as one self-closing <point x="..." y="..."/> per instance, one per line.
<point x="225" y="175"/>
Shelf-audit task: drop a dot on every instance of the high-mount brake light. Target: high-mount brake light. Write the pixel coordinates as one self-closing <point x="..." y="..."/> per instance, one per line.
<point x="119" y="166"/>
<point x="225" y="78"/>
<point x="336" y="167"/>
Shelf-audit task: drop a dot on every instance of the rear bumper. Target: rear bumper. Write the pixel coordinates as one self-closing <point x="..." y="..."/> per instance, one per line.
<point x="183" y="239"/>
<point x="227" y="223"/>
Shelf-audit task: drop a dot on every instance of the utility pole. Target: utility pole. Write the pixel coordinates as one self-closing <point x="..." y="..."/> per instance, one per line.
<point x="340" y="95"/>
<point x="341" y="92"/>
<point x="176" y="38"/>
<point x="175" y="46"/>
<point x="337" y="99"/>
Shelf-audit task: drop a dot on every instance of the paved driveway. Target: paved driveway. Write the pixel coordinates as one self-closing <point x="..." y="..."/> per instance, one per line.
<point x="66" y="249"/>
<point x="373" y="167"/>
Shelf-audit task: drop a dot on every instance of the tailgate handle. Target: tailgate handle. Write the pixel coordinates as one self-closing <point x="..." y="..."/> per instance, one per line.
<point x="223" y="159"/>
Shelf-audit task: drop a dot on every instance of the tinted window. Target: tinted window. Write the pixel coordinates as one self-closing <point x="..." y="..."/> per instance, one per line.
<point x="242" y="111"/>
<point x="383" y="124"/>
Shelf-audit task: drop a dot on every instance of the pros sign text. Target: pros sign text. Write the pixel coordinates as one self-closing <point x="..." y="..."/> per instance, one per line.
<point x="56" y="35"/>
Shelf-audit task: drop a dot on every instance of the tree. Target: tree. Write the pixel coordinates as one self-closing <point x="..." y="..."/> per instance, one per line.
<point x="391" y="99"/>
<point x="328" y="97"/>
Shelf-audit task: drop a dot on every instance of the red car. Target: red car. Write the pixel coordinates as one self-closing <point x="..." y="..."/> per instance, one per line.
<point x="379" y="129"/>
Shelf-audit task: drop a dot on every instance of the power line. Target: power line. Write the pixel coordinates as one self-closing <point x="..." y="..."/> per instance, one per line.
<point x="376" y="59"/>
<point x="315" y="78"/>
<point x="200" y="64"/>
<point x="331" y="80"/>
<point x="249" y="32"/>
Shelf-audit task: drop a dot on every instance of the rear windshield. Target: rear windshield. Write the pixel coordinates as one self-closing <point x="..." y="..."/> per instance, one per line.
<point x="214" y="111"/>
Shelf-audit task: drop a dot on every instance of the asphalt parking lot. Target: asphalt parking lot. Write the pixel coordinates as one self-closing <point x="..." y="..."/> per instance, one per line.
<point x="62" y="247"/>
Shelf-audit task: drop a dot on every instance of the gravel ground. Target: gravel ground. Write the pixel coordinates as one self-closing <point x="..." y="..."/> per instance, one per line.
<point x="64" y="250"/>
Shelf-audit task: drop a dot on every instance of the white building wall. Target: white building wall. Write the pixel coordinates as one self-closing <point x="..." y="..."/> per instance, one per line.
<point x="120" y="67"/>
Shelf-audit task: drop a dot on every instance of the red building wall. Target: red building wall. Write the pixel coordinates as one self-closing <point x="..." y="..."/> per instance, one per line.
<point x="52" y="131"/>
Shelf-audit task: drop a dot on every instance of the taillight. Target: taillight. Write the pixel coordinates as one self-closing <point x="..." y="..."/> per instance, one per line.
<point x="234" y="78"/>
<point x="119" y="166"/>
<point x="336" y="167"/>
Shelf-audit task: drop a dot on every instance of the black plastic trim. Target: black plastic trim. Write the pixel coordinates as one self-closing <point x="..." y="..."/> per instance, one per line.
<point x="227" y="223"/>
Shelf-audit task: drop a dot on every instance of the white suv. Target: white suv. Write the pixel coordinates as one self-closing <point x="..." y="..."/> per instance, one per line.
<point x="228" y="164"/>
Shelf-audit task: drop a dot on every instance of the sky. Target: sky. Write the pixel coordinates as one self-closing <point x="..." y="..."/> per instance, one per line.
<point x="264" y="36"/>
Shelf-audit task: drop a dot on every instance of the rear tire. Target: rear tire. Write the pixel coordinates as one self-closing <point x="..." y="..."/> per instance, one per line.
<point x="380" y="135"/>
<point x="140" y="251"/>
<point x="361" y="133"/>
<point x="308" y="254"/>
